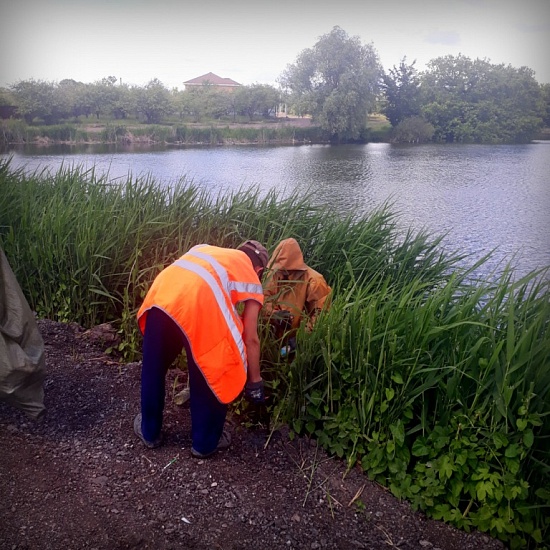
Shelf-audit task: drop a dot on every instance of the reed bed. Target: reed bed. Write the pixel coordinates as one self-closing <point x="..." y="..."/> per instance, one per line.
<point x="436" y="384"/>
<point x="17" y="131"/>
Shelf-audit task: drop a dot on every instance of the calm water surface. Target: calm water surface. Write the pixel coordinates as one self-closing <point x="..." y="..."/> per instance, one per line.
<point x="481" y="197"/>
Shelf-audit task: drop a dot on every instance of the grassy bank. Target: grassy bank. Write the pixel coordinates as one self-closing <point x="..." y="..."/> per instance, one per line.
<point x="437" y="386"/>
<point x="213" y="133"/>
<point x="17" y="132"/>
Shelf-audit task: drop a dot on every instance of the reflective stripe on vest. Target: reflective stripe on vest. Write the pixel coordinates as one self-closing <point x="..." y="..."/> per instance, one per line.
<point x="218" y="295"/>
<point x="216" y="281"/>
<point x="222" y="274"/>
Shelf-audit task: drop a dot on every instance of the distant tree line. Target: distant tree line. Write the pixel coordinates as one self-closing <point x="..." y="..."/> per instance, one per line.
<point x="462" y="100"/>
<point x="339" y="81"/>
<point x="52" y="102"/>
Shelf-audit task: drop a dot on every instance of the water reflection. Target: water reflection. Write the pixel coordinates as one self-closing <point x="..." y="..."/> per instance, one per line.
<point x="482" y="197"/>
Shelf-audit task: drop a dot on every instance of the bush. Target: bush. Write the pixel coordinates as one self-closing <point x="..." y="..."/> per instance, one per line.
<point x="413" y="130"/>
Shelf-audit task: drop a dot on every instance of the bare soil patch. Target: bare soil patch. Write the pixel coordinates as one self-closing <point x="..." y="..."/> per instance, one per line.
<point x="81" y="479"/>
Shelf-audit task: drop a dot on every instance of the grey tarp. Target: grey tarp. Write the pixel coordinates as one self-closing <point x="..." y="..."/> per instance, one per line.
<point x="22" y="359"/>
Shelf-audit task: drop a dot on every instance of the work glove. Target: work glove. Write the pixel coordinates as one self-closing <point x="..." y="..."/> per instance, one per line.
<point x="254" y="392"/>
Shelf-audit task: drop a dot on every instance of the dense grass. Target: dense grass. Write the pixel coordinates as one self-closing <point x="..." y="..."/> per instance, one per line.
<point x="437" y="384"/>
<point x="16" y="131"/>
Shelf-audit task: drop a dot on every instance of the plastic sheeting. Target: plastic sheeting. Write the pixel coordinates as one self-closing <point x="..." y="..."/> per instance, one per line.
<point x="22" y="359"/>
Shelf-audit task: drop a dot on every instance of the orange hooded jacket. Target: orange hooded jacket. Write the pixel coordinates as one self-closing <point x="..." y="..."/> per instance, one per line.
<point x="200" y="292"/>
<point x="294" y="286"/>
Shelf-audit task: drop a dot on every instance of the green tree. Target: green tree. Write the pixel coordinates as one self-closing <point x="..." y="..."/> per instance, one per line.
<point x="34" y="99"/>
<point x="257" y="99"/>
<point x="213" y="101"/>
<point x="234" y="103"/>
<point x="123" y="102"/>
<point x="179" y="103"/>
<point x="153" y="102"/>
<point x="104" y="96"/>
<point x="8" y="103"/>
<point x="476" y="101"/>
<point x="339" y="78"/>
<point x="206" y="101"/>
<point x="545" y="89"/>
<point x="401" y="87"/>
<point x="74" y="95"/>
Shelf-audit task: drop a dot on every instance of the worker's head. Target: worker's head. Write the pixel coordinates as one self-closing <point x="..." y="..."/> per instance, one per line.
<point x="258" y="255"/>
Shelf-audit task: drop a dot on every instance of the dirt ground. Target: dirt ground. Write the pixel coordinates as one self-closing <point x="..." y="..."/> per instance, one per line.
<point x="80" y="479"/>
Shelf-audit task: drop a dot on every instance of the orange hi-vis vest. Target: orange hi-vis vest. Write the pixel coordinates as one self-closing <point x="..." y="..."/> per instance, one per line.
<point x="200" y="292"/>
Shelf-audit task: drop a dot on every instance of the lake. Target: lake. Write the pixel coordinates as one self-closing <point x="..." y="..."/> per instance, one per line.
<point x="482" y="197"/>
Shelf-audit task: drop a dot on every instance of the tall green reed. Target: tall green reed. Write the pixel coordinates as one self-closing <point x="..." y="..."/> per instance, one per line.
<point x="86" y="248"/>
<point x="436" y="383"/>
<point x="438" y="388"/>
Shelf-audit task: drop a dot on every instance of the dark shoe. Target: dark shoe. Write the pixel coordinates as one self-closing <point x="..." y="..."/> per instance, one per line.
<point x="223" y="443"/>
<point x="138" y="432"/>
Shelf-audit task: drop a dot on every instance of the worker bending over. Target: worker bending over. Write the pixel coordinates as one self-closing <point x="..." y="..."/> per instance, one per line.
<point x="193" y="305"/>
<point x="294" y="292"/>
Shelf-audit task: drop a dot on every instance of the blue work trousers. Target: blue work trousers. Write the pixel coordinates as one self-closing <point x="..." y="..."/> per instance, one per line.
<point x="163" y="341"/>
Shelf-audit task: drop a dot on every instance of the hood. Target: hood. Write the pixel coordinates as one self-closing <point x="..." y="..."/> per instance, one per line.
<point x="287" y="256"/>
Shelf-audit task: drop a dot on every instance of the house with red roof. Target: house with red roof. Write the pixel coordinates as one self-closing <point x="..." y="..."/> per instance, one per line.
<point x="211" y="79"/>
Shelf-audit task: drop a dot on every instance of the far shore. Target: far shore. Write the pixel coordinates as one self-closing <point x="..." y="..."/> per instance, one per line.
<point x="282" y="130"/>
<point x="287" y="130"/>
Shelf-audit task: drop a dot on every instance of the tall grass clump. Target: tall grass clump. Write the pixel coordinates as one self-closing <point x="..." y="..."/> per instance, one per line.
<point x="112" y="133"/>
<point x="59" y="132"/>
<point x="202" y="135"/>
<point x="433" y="382"/>
<point x="216" y="135"/>
<point x="85" y="248"/>
<point x="13" y="131"/>
<point x="155" y="132"/>
<point x="438" y="389"/>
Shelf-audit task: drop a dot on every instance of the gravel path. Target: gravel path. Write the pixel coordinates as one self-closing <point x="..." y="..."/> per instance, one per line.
<point x="80" y="479"/>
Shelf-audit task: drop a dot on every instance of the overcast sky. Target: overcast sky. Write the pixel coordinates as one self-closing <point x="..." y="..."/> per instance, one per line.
<point x="254" y="40"/>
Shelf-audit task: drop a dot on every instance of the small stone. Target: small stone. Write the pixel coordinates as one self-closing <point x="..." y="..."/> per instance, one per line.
<point x="101" y="480"/>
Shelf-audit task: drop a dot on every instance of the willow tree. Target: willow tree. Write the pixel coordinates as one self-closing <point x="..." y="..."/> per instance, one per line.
<point x="339" y="80"/>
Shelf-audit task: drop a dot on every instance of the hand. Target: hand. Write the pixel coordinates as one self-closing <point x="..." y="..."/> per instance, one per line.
<point x="282" y="319"/>
<point x="254" y="392"/>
